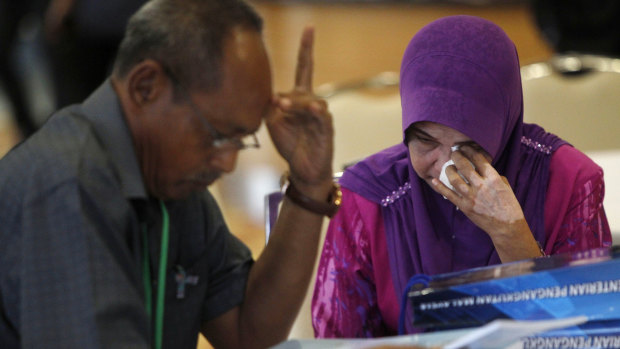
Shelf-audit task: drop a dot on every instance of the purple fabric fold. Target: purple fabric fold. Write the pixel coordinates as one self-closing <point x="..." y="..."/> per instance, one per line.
<point x="462" y="72"/>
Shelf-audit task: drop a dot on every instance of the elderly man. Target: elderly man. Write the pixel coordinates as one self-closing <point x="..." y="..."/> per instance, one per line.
<point x="108" y="237"/>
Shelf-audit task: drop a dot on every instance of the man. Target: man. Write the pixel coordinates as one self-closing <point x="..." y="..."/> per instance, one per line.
<point x="108" y="237"/>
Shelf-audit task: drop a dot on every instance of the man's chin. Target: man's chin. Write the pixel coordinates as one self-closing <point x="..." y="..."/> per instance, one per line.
<point x="184" y="190"/>
<point x="195" y="186"/>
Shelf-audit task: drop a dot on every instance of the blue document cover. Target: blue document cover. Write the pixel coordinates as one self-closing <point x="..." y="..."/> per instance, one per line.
<point x="555" y="287"/>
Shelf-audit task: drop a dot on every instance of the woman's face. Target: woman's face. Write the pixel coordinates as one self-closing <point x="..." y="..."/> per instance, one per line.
<point x="430" y="147"/>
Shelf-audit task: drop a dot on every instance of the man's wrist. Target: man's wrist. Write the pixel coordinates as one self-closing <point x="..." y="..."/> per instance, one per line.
<point x="323" y="198"/>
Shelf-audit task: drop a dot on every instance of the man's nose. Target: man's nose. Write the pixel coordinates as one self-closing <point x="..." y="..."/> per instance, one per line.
<point x="225" y="160"/>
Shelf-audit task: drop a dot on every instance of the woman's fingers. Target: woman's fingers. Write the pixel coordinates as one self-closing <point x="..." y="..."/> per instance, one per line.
<point x="446" y="192"/>
<point x="479" y="159"/>
<point x="461" y="185"/>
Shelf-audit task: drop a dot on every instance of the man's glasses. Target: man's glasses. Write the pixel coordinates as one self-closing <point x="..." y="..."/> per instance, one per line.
<point x="219" y="140"/>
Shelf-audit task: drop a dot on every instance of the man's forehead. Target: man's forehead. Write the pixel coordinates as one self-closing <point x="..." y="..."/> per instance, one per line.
<point x="239" y="111"/>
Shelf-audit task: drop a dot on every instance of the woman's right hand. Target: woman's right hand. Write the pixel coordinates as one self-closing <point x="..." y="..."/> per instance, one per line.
<point x="487" y="199"/>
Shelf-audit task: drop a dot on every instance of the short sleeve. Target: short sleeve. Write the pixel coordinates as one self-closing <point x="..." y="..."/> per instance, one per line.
<point x="229" y="265"/>
<point x="345" y="296"/>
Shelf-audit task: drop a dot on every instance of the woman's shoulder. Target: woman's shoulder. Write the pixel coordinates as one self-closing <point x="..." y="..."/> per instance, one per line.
<point x="353" y="200"/>
<point x="573" y="176"/>
<point x="570" y="164"/>
<point x="378" y="175"/>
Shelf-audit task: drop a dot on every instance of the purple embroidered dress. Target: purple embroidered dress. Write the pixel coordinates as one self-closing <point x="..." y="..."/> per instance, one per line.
<point x="462" y="72"/>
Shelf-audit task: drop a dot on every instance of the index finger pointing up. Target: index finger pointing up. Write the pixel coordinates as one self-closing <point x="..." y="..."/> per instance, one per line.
<point x="305" y="64"/>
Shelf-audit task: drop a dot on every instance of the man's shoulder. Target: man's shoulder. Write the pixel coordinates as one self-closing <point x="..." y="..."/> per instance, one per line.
<point x="63" y="149"/>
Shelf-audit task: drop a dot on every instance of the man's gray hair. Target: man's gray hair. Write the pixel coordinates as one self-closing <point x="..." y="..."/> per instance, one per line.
<point x="185" y="36"/>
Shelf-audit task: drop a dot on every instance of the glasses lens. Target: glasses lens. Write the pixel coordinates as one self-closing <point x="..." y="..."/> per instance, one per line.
<point x="249" y="141"/>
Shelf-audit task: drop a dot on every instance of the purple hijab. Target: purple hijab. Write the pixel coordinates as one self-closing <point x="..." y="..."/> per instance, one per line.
<point x="462" y="72"/>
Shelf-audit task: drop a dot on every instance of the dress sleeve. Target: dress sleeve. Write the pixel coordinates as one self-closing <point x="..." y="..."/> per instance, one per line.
<point x="575" y="218"/>
<point x="345" y="295"/>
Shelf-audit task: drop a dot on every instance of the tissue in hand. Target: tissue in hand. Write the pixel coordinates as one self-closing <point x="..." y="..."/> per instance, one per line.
<point x="443" y="177"/>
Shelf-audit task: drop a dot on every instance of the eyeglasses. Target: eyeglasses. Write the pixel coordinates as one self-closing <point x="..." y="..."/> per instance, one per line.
<point x="219" y="140"/>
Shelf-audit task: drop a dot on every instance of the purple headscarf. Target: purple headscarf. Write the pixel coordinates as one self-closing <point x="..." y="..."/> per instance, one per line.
<point x="462" y="72"/>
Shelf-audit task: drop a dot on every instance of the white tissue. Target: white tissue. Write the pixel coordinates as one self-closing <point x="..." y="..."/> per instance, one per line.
<point x="443" y="177"/>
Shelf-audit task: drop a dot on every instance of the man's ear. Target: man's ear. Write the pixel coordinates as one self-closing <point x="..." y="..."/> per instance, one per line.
<point x="146" y="82"/>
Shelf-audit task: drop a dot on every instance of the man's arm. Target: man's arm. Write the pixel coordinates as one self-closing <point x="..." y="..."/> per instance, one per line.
<point x="301" y="129"/>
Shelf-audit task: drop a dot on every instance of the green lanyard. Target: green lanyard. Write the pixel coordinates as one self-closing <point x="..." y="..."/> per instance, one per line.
<point x="161" y="279"/>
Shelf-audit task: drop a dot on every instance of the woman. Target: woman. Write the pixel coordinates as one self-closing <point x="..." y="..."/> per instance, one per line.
<point x="519" y="192"/>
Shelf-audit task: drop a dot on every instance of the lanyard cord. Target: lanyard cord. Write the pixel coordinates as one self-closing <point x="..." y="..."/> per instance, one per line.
<point x="161" y="278"/>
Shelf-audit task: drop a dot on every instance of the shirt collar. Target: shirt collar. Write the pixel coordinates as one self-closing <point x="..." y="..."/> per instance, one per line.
<point x="103" y="109"/>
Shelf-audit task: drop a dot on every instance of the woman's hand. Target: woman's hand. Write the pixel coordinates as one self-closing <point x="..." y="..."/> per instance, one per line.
<point x="301" y="126"/>
<point x="487" y="199"/>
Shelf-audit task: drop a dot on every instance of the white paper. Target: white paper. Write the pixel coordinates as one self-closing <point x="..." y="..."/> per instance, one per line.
<point x="503" y="333"/>
<point x="496" y="335"/>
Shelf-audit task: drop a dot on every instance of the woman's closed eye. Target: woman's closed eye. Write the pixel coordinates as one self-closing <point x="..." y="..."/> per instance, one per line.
<point x="475" y="146"/>
<point x="424" y="142"/>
